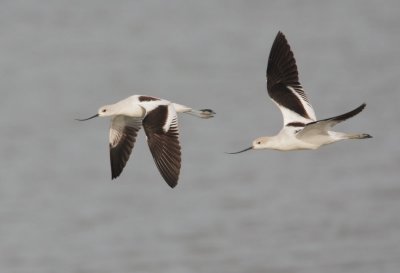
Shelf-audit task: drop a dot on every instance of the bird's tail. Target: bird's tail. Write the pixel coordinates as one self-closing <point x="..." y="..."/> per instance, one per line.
<point x="202" y="113"/>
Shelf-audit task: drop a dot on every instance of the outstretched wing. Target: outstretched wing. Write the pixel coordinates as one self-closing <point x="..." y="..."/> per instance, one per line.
<point x="161" y="127"/>
<point x="321" y="127"/>
<point x="283" y="84"/>
<point x="123" y="132"/>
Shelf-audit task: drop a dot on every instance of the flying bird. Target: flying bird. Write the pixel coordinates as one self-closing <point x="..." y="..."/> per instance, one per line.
<point x="160" y="122"/>
<point x="301" y="129"/>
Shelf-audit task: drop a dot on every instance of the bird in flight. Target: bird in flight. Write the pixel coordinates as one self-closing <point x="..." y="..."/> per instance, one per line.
<point x="160" y="122"/>
<point x="301" y="129"/>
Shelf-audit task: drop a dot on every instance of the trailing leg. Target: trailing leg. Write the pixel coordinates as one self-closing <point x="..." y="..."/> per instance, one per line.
<point x="358" y="136"/>
<point x="202" y="113"/>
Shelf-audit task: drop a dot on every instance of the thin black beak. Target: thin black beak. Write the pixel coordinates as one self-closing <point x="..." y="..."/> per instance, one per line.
<point x="241" y="151"/>
<point x="95" y="116"/>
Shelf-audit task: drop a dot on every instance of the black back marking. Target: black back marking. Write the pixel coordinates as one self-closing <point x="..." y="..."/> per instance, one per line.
<point x="147" y="98"/>
<point x="296" y="124"/>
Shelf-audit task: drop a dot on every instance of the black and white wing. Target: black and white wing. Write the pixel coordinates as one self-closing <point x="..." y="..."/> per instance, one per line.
<point x="321" y="127"/>
<point x="123" y="132"/>
<point x="161" y="127"/>
<point x="284" y="87"/>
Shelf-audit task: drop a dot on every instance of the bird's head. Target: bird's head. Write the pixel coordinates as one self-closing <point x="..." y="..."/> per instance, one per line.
<point x="104" y="111"/>
<point x="260" y="143"/>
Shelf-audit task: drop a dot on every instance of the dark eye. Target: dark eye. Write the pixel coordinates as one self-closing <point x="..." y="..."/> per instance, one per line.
<point x="104" y="110"/>
<point x="258" y="142"/>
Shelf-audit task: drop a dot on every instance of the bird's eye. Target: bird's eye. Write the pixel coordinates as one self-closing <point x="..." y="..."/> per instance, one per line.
<point x="104" y="110"/>
<point x="258" y="142"/>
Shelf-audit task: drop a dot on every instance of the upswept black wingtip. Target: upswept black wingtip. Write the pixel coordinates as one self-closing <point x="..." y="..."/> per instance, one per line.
<point x="281" y="36"/>
<point x="351" y="113"/>
<point x="280" y="33"/>
<point x="172" y="184"/>
<point x="114" y="176"/>
<point x="359" y="108"/>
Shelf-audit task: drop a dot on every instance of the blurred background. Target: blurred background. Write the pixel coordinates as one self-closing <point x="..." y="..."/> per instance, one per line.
<point x="331" y="210"/>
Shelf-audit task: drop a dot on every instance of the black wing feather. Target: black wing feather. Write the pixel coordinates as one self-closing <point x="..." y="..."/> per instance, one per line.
<point x="164" y="146"/>
<point x="281" y="73"/>
<point x="122" y="139"/>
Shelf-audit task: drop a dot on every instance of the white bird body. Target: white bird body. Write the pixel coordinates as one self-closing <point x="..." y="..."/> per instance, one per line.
<point x="160" y="121"/>
<point x="301" y="129"/>
<point x="136" y="108"/>
<point x="283" y="141"/>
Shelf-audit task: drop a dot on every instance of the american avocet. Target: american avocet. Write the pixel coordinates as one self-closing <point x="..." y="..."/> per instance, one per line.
<point x="160" y="122"/>
<point x="301" y="129"/>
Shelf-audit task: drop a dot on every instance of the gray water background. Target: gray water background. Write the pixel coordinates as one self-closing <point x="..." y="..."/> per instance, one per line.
<point x="331" y="210"/>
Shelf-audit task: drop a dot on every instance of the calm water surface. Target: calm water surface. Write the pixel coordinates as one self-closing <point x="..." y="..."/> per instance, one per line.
<point x="330" y="210"/>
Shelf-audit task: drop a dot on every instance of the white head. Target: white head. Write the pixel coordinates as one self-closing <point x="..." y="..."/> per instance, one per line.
<point x="259" y="143"/>
<point x="104" y="111"/>
<point x="125" y="107"/>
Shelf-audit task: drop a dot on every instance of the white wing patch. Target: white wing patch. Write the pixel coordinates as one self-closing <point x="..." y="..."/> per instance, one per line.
<point x="171" y="118"/>
<point x="118" y="124"/>
<point x="304" y="101"/>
